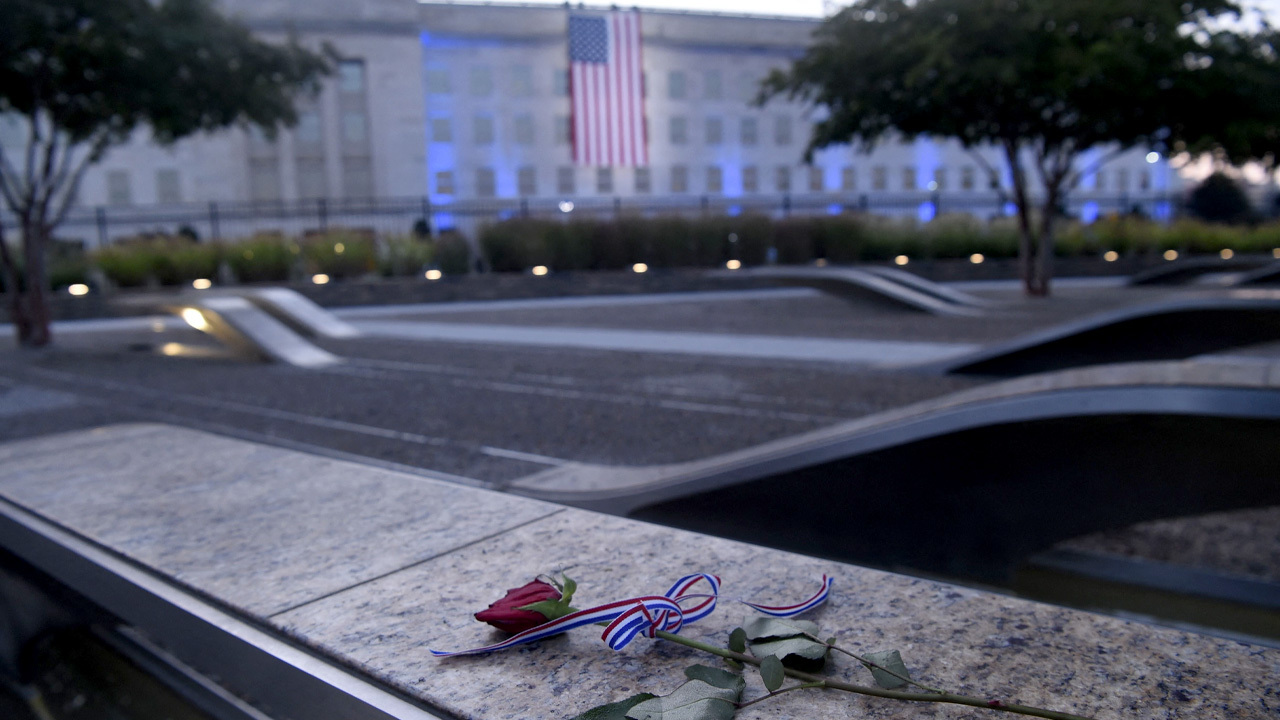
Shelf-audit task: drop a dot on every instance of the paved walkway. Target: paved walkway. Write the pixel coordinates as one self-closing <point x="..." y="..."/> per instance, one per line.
<point x="874" y="352"/>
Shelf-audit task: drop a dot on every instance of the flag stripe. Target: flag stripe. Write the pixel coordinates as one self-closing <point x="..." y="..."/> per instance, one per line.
<point x="607" y="100"/>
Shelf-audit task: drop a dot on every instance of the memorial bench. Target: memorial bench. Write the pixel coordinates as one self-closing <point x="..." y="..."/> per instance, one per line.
<point x="314" y="587"/>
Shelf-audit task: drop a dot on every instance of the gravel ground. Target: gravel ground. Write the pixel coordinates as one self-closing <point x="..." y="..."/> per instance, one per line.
<point x="1241" y="542"/>
<point x="824" y="316"/>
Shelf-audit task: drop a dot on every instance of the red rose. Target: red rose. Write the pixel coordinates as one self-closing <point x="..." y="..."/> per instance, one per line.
<point x="506" y="614"/>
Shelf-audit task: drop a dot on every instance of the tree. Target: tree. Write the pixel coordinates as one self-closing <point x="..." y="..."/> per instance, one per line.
<point x="1044" y="82"/>
<point x="84" y="74"/>
<point x="1219" y="199"/>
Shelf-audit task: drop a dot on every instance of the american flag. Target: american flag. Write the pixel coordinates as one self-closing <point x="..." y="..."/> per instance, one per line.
<point x="606" y="91"/>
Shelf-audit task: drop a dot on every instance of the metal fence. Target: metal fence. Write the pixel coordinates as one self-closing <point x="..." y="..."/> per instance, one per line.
<point x="96" y="226"/>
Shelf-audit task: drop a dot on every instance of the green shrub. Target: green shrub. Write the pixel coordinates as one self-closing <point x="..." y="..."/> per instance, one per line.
<point x="402" y="255"/>
<point x="262" y="258"/>
<point x="452" y="254"/>
<point x="68" y="272"/>
<point x="126" y="265"/>
<point x="340" y="253"/>
<point x="515" y="245"/>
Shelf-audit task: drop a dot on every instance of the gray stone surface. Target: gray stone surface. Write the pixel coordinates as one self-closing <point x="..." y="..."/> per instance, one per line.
<point x="960" y="639"/>
<point x="262" y="528"/>
<point x="374" y="568"/>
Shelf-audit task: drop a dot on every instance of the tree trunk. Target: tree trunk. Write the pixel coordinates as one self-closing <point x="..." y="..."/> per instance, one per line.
<point x="31" y="321"/>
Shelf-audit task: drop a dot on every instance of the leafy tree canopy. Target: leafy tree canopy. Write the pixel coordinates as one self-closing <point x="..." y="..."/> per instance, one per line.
<point x="84" y="74"/>
<point x="1043" y="81"/>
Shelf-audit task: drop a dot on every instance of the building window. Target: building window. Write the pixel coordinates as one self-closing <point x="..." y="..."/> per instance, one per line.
<point x="782" y="130"/>
<point x="562" y="130"/>
<point x="313" y="180"/>
<point x="1100" y="180"/>
<point x="604" y="180"/>
<point x="560" y="82"/>
<point x="441" y="130"/>
<point x="481" y="81"/>
<point x="522" y="81"/>
<point x="354" y="128"/>
<point x="908" y="178"/>
<point x="750" y="131"/>
<point x="307" y="131"/>
<point x="486" y="182"/>
<point x="351" y="76"/>
<point x="715" y="179"/>
<point x="565" y="184"/>
<point x="748" y="86"/>
<point x="676" y="89"/>
<point x="679" y="179"/>
<point x="679" y="130"/>
<point x="357" y="177"/>
<point x="482" y="130"/>
<point x="1144" y="180"/>
<point x="967" y="180"/>
<point x="939" y="178"/>
<point x="444" y="182"/>
<point x="264" y="180"/>
<point x="782" y="178"/>
<point x="1122" y="179"/>
<point x="644" y="182"/>
<point x="879" y="177"/>
<point x="168" y="189"/>
<point x="715" y="131"/>
<point x="644" y="83"/>
<point x="750" y="179"/>
<point x="527" y="181"/>
<point x="848" y="178"/>
<point x="438" y="82"/>
<point x="712" y="85"/>
<point x="524" y="129"/>
<point x="817" y="183"/>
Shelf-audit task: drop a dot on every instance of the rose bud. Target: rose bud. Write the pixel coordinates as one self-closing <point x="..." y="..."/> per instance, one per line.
<point x="506" y="614"/>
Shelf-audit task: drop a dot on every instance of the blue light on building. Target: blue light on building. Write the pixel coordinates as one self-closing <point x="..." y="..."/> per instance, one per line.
<point x="1089" y="213"/>
<point x="925" y="212"/>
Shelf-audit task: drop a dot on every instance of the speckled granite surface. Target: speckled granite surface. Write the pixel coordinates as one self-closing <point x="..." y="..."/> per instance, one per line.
<point x="374" y="568"/>
<point x="258" y="527"/>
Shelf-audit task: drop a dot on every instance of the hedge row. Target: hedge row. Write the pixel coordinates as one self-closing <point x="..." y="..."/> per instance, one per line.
<point x="514" y="245"/>
<point x="261" y="258"/>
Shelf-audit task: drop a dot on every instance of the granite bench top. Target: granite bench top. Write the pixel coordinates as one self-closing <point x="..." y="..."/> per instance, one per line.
<point x="372" y="567"/>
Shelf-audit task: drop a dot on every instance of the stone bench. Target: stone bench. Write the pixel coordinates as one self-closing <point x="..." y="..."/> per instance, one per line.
<point x="348" y="574"/>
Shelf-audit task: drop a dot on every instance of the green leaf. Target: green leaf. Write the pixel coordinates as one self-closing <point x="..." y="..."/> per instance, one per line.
<point x="794" y="652"/>
<point x="891" y="660"/>
<point x="552" y="609"/>
<point x="738" y="640"/>
<point x="717" y="678"/>
<point x="759" y="628"/>
<point x="694" y="700"/>
<point x="615" y="711"/>
<point x="771" y="672"/>
<point x="566" y="592"/>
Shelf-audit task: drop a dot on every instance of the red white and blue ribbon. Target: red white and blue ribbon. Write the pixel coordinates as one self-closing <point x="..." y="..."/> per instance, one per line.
<point x="645" y="614"/>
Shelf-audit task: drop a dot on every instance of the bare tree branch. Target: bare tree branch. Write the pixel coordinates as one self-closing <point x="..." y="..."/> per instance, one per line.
<point x="98" y="145"/>
<point x="1074" y="182"/>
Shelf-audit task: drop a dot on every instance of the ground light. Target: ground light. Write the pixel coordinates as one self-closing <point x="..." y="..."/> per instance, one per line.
<point x="539" y="270"/>
<point x="1153" y="157"/>
<point x="1170" y="254"/>
<point x="1226" y="253"/>
<point x="901" y="260"/>
<point x="566" y="206"/>
<point x="195" y="318"/>
<point x="1111" y="256"/>
<point x="339" y="248"/>
<point x="639" y="268"/>
<point x="434" y="275"/>
<point x="733" y="264"/>
<point x="976" y="258"/>
<point x="319" y="278"/>
<point x="78" y="289"/>
<point x="1275" y="253"/>
<point x="202" y="283"/>
<point x="820" y="262"/>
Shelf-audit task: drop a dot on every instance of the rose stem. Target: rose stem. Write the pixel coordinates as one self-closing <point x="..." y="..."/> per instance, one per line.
<point x="874" y="691"/>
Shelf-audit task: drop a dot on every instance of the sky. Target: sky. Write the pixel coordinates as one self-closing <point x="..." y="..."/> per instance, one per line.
<point x="803" y="8"/>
